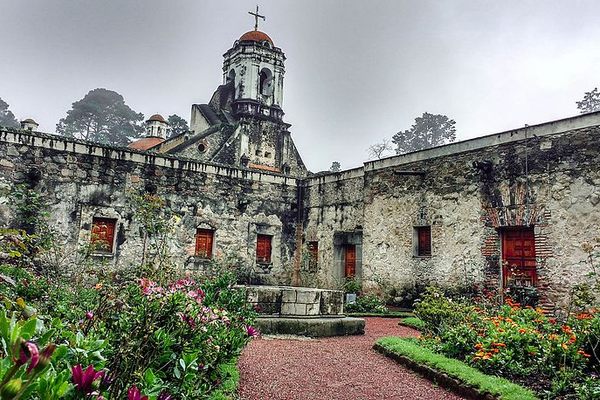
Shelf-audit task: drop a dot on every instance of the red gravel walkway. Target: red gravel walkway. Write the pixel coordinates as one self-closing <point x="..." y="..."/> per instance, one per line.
<point x="344" y="368"/>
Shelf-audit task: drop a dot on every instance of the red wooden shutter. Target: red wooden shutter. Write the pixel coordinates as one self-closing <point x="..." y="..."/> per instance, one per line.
<point x="103" y="234"/>
<point x="204" y="243"/>
<point x="424" y="241"/>
<point x="263" y="249"/>
<point x="350" y="262"/>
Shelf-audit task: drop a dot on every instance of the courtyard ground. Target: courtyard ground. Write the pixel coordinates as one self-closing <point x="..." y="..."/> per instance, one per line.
<point x="332" y="368"/>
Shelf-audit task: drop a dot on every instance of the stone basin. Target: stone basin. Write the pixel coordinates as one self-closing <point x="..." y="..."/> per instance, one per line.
<point x="302" y="311"/>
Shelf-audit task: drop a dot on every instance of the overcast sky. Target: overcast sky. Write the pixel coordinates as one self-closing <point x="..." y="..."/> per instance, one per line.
<point x="356" y="71"/>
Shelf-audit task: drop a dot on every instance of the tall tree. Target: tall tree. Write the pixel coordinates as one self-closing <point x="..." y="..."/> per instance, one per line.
<point x="178" y="125"/>
<point x="102" y="116"/>
<point x="590" y="102"/>
<point x="7" y="118"/>
<point x="335" y="166"/>
<point x="379" y="150"/>
<point x="429" y="130"/>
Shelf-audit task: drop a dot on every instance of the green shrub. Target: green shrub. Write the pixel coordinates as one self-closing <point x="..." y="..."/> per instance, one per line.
<point x="440" y="313"/>
<point x="367" y="304"/>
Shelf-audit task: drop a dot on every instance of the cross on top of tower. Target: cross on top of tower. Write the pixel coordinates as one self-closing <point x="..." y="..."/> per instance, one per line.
<point x="256" y="17"/>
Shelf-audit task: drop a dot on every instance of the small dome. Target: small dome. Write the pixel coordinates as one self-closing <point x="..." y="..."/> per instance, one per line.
<point x="29" y="121"/>
<point x="156" y="117"/>
<point x="255" y="36"/>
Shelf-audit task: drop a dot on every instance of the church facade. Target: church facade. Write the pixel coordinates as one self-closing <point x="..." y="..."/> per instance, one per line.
<point x="518" y="207"/>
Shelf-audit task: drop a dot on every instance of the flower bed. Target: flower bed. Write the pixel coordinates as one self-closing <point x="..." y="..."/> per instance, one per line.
<point x="554" y="357"/>
<point x="451" y="373"/>
<point x="134" y="339"/>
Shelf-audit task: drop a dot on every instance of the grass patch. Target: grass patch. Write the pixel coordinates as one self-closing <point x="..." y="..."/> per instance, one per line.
<point x="389" y="314"/>
<point x="413" y="322"/>
<point x="469" y="376"/>
<point x="230" y="380"/>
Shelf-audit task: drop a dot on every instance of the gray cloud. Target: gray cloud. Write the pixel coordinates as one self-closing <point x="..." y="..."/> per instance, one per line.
<point x="356" y="71"/>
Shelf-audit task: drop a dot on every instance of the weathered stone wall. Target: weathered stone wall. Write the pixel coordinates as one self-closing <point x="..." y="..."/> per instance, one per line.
<point x="545" y="176"/>
<point x="334" y="216"/>
<point x="80" y="181"/>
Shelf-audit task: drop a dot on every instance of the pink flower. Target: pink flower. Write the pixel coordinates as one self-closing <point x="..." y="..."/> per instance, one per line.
<point x="134" y="394"/>
<point x="28" y="352"/>
<point x="89" y="315"/>
<point x="84" y="380"/>
<point x="251" y="331"/>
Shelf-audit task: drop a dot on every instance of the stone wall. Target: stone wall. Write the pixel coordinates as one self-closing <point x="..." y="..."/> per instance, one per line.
<point x="469" y="193"/>
<point x="544" y="176"/>
<point x="80" y="180"/>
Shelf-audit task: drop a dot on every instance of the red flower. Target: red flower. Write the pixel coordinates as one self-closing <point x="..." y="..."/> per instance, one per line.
<point x="134" y="394"/>
<point x="84" y="380"/>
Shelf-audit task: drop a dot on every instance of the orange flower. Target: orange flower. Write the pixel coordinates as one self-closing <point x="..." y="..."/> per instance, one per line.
<point x="572" y="339"/>
<point x="521" y="331"/>
<point x="566" y="329"/>
<point x="564" y="346"/>
<point x="583" y="353"/>
<point x="553" y="336"/>
<point x="584" y="315"/>
<point x="479" y="346"/>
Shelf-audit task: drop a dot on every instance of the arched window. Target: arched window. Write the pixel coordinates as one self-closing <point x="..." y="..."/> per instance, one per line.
<point x="231" y="76"/>
<point x="266" y="82"/>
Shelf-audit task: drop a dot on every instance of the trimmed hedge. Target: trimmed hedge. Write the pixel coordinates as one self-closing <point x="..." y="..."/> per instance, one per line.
<point x="389" y="314"/>
<point x="409" y="353"/>
<point x="412" y="322"/>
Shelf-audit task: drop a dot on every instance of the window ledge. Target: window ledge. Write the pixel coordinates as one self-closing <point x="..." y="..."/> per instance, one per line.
<point x="102" y="255"/>
<point x="423" y="257"/>
<point x="201" y="258"/>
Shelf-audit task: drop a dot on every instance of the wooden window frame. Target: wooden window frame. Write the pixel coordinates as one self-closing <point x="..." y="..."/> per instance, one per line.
<point x="204" y="251"/>
<point x="97" y="222"/>
<point x="265" y="255"/>
<point x="422" y="240"/>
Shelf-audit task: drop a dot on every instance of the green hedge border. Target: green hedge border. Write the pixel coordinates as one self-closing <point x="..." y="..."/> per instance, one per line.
<point x="451" y="373"/>
<point x="391" y="314"/>
<point x="230" y="381"/>
<point x="412" y="322"/>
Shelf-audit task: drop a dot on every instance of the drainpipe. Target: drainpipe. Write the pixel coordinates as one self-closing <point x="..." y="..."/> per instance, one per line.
<point x="296" y="280"/>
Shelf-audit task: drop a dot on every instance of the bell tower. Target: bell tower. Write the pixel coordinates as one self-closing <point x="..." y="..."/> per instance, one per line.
<point x="256" y="68"/>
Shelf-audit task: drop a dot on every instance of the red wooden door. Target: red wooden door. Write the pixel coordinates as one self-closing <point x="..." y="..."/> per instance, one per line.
<point x="518" y="256"/>
<point x="350" y="260"/>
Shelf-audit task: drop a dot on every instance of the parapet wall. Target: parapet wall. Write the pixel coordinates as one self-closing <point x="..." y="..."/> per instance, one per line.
<point x="80" y="181"/>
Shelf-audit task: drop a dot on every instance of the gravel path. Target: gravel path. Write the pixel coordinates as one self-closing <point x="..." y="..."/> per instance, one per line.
<point x="344" y="368"/>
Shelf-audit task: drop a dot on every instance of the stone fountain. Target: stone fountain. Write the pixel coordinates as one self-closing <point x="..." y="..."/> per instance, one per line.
<point x="302" y="311"/>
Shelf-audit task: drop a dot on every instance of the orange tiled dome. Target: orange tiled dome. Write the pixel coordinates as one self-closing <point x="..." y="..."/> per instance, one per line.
<point x="156" y="117"/>
<point x="256" y="36"/>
